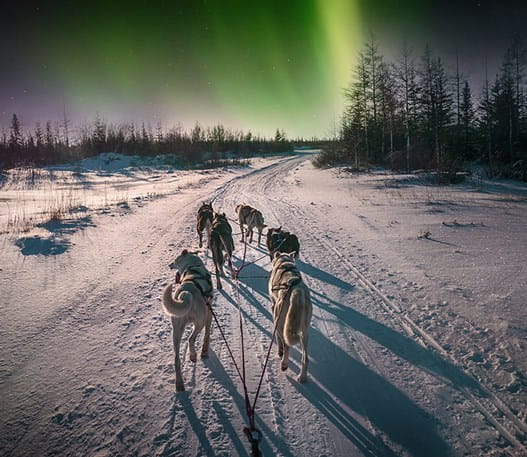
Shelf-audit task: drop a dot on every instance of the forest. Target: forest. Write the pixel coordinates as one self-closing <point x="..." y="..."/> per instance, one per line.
<point x="58" y="142"/>
<point x="411" y="113"/>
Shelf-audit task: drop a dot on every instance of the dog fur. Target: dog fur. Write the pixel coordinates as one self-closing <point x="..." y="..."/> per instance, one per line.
<point x="189" y="304"/>
<point x="252" y="218"/>
<point x="292" y="309"/>
<point x="221" y="240"/>
<point x="278" y="240"/>
<point x="204" y="222"/>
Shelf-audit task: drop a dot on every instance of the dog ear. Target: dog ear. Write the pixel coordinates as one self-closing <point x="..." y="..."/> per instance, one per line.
<point x="184" y="252"/>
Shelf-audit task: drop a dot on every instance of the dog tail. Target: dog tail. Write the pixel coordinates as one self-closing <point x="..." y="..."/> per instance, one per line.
<point x="176" y="308"/>
<point x="294" y="324"/>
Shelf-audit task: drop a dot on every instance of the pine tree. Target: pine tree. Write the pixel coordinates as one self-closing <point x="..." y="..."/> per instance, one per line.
<point x="436" y="104"/>
<point x="15" y="135"/>
<point x="66" y="128"/>
<point x="466" y="119"/>
<point x="388" y="106"/>
<point x="408" y="92"/>
<point x="485" y="118"/>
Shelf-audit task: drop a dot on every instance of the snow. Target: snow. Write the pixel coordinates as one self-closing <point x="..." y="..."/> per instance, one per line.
<point x="417" y="344"/>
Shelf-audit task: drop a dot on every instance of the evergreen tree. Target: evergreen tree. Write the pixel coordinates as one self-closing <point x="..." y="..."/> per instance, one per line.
<point x="435" y="103"/>
<point x="15" y="135"/>
<point x="466" y="122"/>
<point x="408" y="93"/>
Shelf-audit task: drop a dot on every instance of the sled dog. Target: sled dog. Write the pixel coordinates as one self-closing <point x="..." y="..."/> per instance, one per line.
<point x="205" y="216"/>
<point x="291" y="307"/>
<point x="252" y="218"/>
<point x="189" y="304"/>
<point x="278" y="240"/>
<point x="221" y="240"/>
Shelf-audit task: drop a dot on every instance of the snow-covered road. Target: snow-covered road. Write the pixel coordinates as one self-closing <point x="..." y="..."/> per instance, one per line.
<point x="86" y="364"/>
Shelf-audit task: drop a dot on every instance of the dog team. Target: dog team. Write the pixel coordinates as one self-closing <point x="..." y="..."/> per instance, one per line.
<point x="191" y="302"/>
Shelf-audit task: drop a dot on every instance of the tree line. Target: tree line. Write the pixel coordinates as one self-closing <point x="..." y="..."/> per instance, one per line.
<point x="56" y="143"/>
<point x="412" y="114"/>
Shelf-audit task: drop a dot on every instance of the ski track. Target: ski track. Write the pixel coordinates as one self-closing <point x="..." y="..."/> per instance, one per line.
<point x="116" y="393"/>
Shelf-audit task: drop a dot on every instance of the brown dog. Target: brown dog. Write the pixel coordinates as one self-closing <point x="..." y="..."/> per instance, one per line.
<point x="205" y="216"/>
<point x="252" y="218"/>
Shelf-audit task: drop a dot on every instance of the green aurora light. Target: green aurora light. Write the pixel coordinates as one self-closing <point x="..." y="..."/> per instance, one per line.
<point x="254" y="66"/>
<point x="250" y="65"/>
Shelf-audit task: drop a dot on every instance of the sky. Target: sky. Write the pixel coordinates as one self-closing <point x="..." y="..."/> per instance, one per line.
<point x="250" y="65"/>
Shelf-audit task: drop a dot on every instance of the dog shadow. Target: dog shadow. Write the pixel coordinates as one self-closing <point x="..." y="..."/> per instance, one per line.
<point x="404" y="347"/>
<point x="251" y="299"/>
<point x="323" y="276"/>
<point x="181" y="402"/>
<point x="269" y="436"/>
<point x="344" y="391"/>
<point x="352" y="386"/>
<point x="256" y="277"/>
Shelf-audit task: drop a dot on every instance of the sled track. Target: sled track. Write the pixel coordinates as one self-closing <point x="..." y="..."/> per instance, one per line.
<point x="489" y="405"/>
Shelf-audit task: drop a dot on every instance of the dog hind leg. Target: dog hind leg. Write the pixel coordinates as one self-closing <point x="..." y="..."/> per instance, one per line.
<point x="217" y="259"/>
<point x="192" y="342"/>
<point x="280" y="341"/>
<point x="177" y="332"/>
<point x="302" y="377"/>
<point x="285" y="357"/>
<point x="206" y="338"/>
<point x="241" y="229"/>
<point x="283" y="348"/>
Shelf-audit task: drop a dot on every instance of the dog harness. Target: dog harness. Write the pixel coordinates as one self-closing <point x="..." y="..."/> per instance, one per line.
<point x="195" y="274"/>
<point x="223" y="225"/>
<point x="293" y="281"/>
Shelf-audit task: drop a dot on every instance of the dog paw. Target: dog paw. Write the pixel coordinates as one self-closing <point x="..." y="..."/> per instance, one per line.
<point x="204" y="355"/>
<point x="193" y="357"/>
<point x="302" y="378"/>
<point x="284" y="366"/>
<point x="280" y="353"/>
<point x="180" y="387"/>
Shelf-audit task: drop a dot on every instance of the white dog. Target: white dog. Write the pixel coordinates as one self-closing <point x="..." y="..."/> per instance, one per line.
<point x="292" y="309"/>
<point x="189" y="305"/>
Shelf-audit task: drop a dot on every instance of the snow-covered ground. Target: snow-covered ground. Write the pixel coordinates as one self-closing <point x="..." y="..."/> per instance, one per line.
<point x="417" y="341"/>
<point x="33" y="196"/>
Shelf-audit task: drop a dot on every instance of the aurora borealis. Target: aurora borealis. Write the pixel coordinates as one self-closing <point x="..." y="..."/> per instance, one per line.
<point x="249" y="65"/>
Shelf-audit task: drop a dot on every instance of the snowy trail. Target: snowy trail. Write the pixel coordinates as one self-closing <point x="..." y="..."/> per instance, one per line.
<point x="87" y="358"/>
